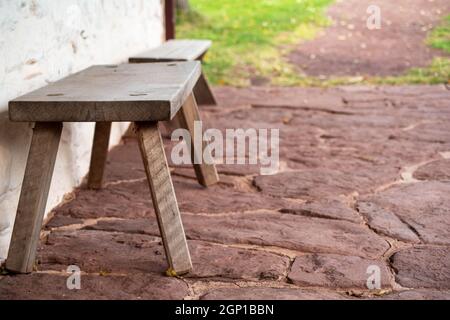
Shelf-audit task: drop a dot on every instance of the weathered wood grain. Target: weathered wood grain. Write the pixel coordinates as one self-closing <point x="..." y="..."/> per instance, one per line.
<point x="127" y="92"/>
<point x="164" y="199"/>
<point x="188" y="114"/>
<point x="203" y="93"/>
<point x="99" y="154"/>
<point x="33" y="197"/>
<point x="182" y="50"/>
<point x="174" y="50"/>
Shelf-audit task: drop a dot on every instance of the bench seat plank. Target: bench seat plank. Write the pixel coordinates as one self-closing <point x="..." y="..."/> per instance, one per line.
<point x="174" y="50"/>
<point x="126" y="92"/>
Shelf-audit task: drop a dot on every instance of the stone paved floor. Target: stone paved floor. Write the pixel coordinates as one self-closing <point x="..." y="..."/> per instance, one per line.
<point x="364" y="180"/>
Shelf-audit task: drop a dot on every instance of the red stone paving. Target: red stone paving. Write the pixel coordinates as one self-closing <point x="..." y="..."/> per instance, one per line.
<point x="363" y="181"/>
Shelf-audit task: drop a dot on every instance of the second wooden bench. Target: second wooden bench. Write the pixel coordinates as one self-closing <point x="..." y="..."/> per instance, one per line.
<point x="182" y="50"/>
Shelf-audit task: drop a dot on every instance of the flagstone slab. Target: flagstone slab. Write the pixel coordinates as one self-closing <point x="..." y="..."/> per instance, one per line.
<point x="126" y="200"/>
<point x="423" y="267"/>
<point x="222" y="199"/>
<point x="347" y="150"/>
<point x="327" y="208"/>
<point x="336" y="271"/>
<point x="304" y="234"/>
<point x="61" y="220"/>
<point x="387" y="223"/>
<point x="437" y="171"/>
<point x="124" y="162"/>
<point x="112" y="252"/>
<point x="280" y="96"/>
<point x="423" y="206"/>
<point x="435" y="132"/>
<point x="288" y="231"/>
<point x="132" y="200"/>
<point x="102" y="252"/>
<point x="221" y="262"/>
<point x="236" y="169"/>
<point x="136" y="286"/>
<point x="264" y="293"/>
<point x="312" y="184"/>
<point x="146" y="226"/>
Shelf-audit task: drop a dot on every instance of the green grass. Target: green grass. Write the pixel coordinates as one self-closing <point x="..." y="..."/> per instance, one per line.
<point x="252" y="37"/>
<point x="440" y="36"/>
<point x="439" y="69"/>
<point x="437" y="72"/>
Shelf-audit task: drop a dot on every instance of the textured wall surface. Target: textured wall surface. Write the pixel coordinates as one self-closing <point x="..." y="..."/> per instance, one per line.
<point x="42" y="41"/>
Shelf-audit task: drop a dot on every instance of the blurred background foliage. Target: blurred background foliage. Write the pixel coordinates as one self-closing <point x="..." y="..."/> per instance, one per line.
<point x="253" y="37"/>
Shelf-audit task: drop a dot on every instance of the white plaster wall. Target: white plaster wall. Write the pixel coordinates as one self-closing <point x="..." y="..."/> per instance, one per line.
<point x="42" y="41"/>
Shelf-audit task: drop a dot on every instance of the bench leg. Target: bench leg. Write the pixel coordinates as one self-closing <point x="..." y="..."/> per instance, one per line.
<point x="99" y="154"/>
<point x="33" y="197"/>
<point x="203" y="92"/>
<point x="188" y="114"/>
<point x="164" y="199"/>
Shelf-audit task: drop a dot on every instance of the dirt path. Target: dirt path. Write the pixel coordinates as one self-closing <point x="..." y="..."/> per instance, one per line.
<point x="349" y="48"/>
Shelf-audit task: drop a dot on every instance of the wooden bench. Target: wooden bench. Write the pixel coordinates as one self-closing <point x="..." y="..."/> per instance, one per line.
<point x="182" y="50"/>
<point x="143" y="94"/>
